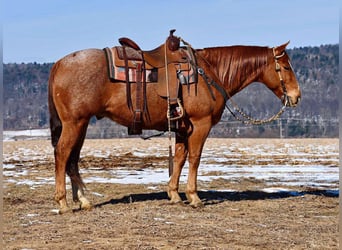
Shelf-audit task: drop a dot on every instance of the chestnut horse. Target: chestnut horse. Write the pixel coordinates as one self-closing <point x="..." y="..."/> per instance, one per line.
<point x="79" y="88"/>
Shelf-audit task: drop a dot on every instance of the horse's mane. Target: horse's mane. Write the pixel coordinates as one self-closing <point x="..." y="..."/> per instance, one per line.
<point x="234" y="64"/>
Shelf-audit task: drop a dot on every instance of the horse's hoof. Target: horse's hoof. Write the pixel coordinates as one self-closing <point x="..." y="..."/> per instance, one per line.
<point x="174" y="197"/>
<point x="86" y="206"/>
<point x="177" y="202"/>
<point x="64" y="210"/>
<point x="198" y="204"/>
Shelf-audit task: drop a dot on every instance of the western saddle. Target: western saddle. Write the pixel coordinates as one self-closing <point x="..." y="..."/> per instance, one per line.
<point x="166" y="67"/>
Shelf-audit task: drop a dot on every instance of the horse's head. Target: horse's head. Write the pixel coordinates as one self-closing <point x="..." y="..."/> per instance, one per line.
<point x="280" y="78"/>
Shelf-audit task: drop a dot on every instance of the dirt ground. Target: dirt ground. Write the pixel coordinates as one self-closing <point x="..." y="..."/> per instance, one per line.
<point x="236" y="215"/>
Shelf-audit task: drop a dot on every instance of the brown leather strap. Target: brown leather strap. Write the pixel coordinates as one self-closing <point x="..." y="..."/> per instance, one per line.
<point x="137" y="120"/>
<point x="144" y="84"/>
<point x="138" y="89"/>
<point x="128" y="84"/>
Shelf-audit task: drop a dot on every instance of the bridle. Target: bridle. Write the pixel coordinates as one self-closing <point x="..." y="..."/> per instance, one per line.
<point x="278" y="70"/>
<point x="246" y="119"/>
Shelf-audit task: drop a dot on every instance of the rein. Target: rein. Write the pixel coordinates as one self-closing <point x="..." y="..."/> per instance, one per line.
<point x="246" y="118"/>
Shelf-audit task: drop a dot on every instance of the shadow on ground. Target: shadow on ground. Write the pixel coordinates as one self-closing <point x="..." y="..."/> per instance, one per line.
<point x="215" y="197"/>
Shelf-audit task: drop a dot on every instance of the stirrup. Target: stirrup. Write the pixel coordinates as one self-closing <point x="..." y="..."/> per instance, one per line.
<point x="176" y="112"/>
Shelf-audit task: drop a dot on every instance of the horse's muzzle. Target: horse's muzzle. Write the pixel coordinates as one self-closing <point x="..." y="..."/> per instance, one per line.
<point x="291" y="101"/>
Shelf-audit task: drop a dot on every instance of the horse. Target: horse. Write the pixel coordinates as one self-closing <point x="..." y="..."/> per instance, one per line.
<point x="79" y="88"/>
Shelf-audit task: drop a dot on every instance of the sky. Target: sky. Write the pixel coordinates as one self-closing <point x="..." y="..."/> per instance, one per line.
<point x="45" y="31"/>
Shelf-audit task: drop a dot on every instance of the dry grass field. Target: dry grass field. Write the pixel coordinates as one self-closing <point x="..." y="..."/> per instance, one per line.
<point x="258" y="194"/>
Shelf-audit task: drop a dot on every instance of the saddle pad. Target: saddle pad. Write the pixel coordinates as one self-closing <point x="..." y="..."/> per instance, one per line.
<point x="117" y="71"/>
<point x="120" y="74"/>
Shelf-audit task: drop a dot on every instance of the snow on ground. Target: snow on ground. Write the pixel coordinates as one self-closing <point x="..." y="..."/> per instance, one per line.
<point x="31" y="134"/>
<point x="300" y="162"/>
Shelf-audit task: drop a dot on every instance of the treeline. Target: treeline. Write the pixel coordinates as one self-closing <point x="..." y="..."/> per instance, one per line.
<point x="316" y="68"/>
<point x="25" y="95"/>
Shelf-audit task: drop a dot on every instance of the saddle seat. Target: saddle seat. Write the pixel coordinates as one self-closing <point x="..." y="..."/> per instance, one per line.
<point x="156" y="57"/>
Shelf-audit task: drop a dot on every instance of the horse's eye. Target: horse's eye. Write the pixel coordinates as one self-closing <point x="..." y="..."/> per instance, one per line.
<point x="287" y="67"/>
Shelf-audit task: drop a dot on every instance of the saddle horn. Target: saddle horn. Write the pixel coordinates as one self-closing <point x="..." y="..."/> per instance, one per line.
<point x="173" y="42"/>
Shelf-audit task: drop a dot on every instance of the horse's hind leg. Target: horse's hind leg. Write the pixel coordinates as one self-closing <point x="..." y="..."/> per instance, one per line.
<point x="65" y="155"/>
<point x="73" y="172"/>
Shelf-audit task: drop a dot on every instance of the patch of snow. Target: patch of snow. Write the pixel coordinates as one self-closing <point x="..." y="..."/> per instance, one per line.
<point x="309" y="165"/>
<point x="32" y="215"/>
<point x="55" y="211"/>
<point x="97" y="194"/>
<point x="12" y="135"/>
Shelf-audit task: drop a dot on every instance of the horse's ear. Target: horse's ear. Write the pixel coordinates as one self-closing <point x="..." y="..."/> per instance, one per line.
<point x="281" y="48"/>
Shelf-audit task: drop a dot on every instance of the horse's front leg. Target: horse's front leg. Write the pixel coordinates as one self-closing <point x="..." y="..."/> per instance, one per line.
<point x="181" y="152"/>
<point x="196" y="142"/>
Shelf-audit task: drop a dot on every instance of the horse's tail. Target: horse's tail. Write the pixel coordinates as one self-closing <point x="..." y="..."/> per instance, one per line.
<point x="55" y="121"/>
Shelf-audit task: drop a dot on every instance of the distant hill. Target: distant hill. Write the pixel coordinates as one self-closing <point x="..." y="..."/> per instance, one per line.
<point x="316" y="68"/>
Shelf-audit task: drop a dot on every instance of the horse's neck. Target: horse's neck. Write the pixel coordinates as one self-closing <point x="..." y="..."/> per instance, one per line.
<point x="236" y="86"/>
<point x="236" y="66"/>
